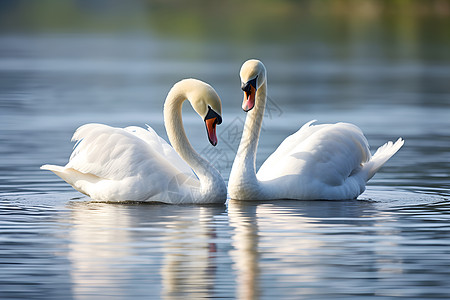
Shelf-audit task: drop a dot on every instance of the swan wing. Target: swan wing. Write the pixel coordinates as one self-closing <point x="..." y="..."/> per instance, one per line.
<point x="120" y="164"/>
<point x="158" y="144"/>
<point x="290" y="143"/>
<point x="317" y="157"/>
<point x="116" y="153"/>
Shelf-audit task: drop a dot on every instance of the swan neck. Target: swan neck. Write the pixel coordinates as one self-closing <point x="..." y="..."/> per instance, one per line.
<point x="177" y="136"/>
<point x="245" y="162"/>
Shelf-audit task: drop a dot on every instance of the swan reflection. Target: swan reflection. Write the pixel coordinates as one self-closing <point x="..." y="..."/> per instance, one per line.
<point x="263" y="245"/>
<point x="245" y="248"/>
<point x="189" y="264"/>
<point x="298" y="241"/>
<point x="98" y="244"/>
<point x="254" y="249"/>
<point x="142" y="250"/>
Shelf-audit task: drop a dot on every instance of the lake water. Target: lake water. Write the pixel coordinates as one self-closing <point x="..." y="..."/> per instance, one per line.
<point x="55" y="243"/>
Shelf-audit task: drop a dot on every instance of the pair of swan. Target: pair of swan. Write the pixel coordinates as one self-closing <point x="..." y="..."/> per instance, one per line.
<point x="328" y="161"/>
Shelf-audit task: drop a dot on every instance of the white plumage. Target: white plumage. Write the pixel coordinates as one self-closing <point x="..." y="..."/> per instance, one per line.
<point x="327" y="161"/>
<point x="134" y="164"/>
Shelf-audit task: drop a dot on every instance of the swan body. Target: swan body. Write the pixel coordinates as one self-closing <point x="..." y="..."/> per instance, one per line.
<point x="327" y="161"/>
<point x="135" y="164"/>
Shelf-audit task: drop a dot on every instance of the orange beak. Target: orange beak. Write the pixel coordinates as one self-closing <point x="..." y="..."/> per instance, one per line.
<point x="211" y="130"/>
<point x="249" y="99"/>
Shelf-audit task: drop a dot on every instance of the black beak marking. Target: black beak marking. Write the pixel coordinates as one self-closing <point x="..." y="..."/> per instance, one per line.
<point x="212" y="114"/>
<point x="246" y="86"/>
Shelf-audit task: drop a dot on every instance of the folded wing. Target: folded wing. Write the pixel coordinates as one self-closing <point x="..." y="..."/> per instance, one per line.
<point x="328" y="153"/>
<point x="115" y="153"/>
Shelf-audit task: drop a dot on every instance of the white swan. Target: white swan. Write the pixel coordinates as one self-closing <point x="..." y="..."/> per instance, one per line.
<point x="134" y="164"/>
<point x="329" y="161"/>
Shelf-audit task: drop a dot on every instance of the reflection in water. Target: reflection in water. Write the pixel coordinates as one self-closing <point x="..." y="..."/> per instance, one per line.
<point x="316" y="247"/>
<point x="99" y="242"/>
<point x="110" y="244"/>
<point x="333" y="248"/>
<point x="245" y="248"/>
<point x="189" y="266"/>
<point x="288" y="249"/>
<point x="267" y="246"/>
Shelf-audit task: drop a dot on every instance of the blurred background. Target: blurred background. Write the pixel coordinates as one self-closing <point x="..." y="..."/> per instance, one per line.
<point x="383" y="65"/>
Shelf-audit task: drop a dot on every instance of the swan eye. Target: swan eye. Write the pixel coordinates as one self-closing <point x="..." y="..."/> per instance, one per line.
<point x="246" y="87"/>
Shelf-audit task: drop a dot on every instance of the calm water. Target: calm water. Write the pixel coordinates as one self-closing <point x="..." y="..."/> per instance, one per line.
<point x="394" y="241"/>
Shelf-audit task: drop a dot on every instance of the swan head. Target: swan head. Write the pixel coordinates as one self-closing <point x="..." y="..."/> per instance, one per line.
<point x="206" y="102"/>
<point x="253" y="75"/>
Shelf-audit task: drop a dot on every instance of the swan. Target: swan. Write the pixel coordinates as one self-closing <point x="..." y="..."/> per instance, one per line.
<point x="135" y="164"/>
<point x="327" y="161"/>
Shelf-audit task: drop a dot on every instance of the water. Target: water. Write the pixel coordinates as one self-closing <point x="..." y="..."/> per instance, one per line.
<point x="57" y="244"/>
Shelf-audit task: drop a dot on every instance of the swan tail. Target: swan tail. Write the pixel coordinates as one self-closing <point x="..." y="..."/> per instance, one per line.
<point x="59" y="171"/>
<point x="381" y="156"/>
<point x="53" y="168"/>
<point x="79" y="181"/>
<point x="67" y="174"/>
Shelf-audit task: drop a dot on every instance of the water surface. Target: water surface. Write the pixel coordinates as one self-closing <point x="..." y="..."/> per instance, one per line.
<point x="57" y="244"/>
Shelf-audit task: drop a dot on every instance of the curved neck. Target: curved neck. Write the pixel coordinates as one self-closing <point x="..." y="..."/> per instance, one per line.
<point x="210" y="178"/>
<point x="244" y="166"/>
